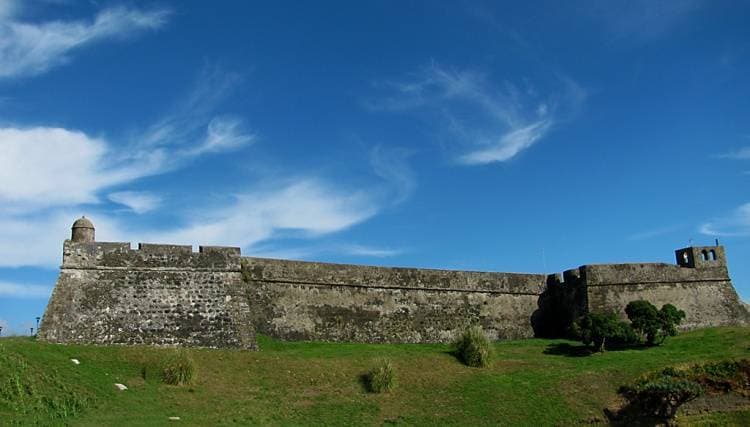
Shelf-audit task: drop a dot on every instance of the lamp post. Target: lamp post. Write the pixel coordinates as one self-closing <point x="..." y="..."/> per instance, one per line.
<point x="37" y="324"/>
<point x="1" y="331"/>
<point x="31" y="334"/>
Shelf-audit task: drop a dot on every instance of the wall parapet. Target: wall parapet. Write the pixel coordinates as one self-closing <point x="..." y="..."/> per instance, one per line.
<point x="326" y="274"/>
<point x="119" y="255"/>
<point x="643" y="273"/>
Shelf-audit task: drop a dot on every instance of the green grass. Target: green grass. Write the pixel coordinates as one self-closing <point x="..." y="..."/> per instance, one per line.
<point x="529" y="382"/>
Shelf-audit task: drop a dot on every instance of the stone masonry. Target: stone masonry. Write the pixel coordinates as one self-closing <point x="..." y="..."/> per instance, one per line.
<point x="108" y="293"/>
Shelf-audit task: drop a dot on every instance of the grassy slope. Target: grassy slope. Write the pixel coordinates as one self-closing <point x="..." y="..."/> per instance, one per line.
<point x="318" y="384"/>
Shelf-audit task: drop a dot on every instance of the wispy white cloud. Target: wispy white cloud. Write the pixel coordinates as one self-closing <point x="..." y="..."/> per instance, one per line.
<point x="35" y="239"/>
<point x="28" y="49"/>
<point x="656" y="232"/>
<point x="370" y="251"/>
<point x="19" y="290"/>
<point x="509" y="144"/>
<point x="137" y="201"/>
<point x="492" y="124"/>
<point x="308" y="207"/>
<point x="44" y="167"/>
<point x="740" y="154"/>
<point x="49" y="166"/>
<point x="222" y="134"/>
<point x="392" y="165"/>
<point x="8" y="9"/>
<point x="736" y="223"/>
<point x="641" y="20"/>
<point x="190" y="119"/>
<point x="311" y="252"/>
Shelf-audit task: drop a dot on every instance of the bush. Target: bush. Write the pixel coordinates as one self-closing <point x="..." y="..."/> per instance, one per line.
<point x="179" y="369"/>
<point x="603" y="330"/>
<point x="382" y="378"/>
<point x="473" y="347"/>
<point x="661" y="397"/>
<point x="655" y="324"/>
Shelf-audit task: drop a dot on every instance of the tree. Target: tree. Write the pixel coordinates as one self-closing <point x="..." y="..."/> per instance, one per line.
<point x="603" y="330"/>
<point x="655" y="325"/>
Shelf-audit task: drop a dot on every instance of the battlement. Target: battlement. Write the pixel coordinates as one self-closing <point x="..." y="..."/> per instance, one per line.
<point x="103" y="255"/>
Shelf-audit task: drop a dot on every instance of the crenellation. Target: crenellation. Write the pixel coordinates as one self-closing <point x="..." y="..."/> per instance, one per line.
<point x="159" y="249"/>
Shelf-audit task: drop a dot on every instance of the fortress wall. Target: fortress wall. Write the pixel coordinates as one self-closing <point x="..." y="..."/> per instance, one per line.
<point x="333" y="302"/>
<point x="108" y="293"/>
<point x="705" y="294"/>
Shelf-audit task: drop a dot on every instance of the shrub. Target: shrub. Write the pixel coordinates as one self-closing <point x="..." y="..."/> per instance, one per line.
<point x="655" y="324"/>
<point x="603" y="330"/>
<point x="179" y="369"/>
<point x="382" y="378"/>
<point x="662" y="396"/>
<point x="473" y="347"/>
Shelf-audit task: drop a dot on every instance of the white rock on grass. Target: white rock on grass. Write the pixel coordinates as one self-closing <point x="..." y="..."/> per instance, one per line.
<point x="121" y="387"/>
<point x="75" y="361"/>
<point x="174" y="418"/>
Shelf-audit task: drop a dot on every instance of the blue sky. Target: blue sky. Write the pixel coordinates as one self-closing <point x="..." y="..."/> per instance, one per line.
<point x="464" y="135"/>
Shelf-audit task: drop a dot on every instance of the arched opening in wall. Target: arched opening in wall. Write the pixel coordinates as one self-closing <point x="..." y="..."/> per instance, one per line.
<point x="712" y="255"/>
<point x="704" y="255"/>
<point x="685" y="258"/>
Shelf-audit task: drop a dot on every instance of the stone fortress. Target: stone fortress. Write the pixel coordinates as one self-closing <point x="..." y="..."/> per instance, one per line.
<point x="108" y="293"/>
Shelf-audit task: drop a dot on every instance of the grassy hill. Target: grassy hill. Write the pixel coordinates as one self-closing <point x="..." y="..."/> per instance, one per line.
<point x="530" y="382"/>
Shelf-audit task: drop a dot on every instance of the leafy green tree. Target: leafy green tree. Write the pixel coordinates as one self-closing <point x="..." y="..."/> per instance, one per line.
<point x="602" y="330"/>
<point x="670" y="316"/>
<point x="655" y="325"/>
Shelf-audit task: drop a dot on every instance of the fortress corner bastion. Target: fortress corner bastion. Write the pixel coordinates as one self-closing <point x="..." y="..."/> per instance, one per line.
<point x="109" y="293"/>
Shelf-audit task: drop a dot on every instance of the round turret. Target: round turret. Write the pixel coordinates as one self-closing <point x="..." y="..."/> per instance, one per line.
<point x="83" y="230"/>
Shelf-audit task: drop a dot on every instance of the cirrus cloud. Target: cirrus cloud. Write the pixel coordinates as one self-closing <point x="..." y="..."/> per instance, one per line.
<point x="491" y="123"/>
<point x="28" y="49"/>
<point x="736" y="223"/>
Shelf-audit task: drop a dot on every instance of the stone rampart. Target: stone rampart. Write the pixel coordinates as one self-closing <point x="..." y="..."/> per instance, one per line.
<point x="705" y="294"/>
<point x="334" y="302"/>
<point x="108" y="293"/>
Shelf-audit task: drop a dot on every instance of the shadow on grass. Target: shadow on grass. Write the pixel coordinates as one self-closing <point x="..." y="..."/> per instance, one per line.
<point x="569" y="350"/>
<point x="632" y="415"/>
<point x="364" y="381"/>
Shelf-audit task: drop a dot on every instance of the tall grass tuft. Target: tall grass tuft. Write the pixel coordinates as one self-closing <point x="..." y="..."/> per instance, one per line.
<point x="473" y="347"/>
<point x="179" y="369"/>
<point x="382" y="378"/>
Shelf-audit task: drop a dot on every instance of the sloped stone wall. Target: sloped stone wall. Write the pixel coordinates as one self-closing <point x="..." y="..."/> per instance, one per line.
<point x="705" y="294"/>
<point x="159" y="294"/>
<point x="296" y="300"/>
<point x="108" y="293"/>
